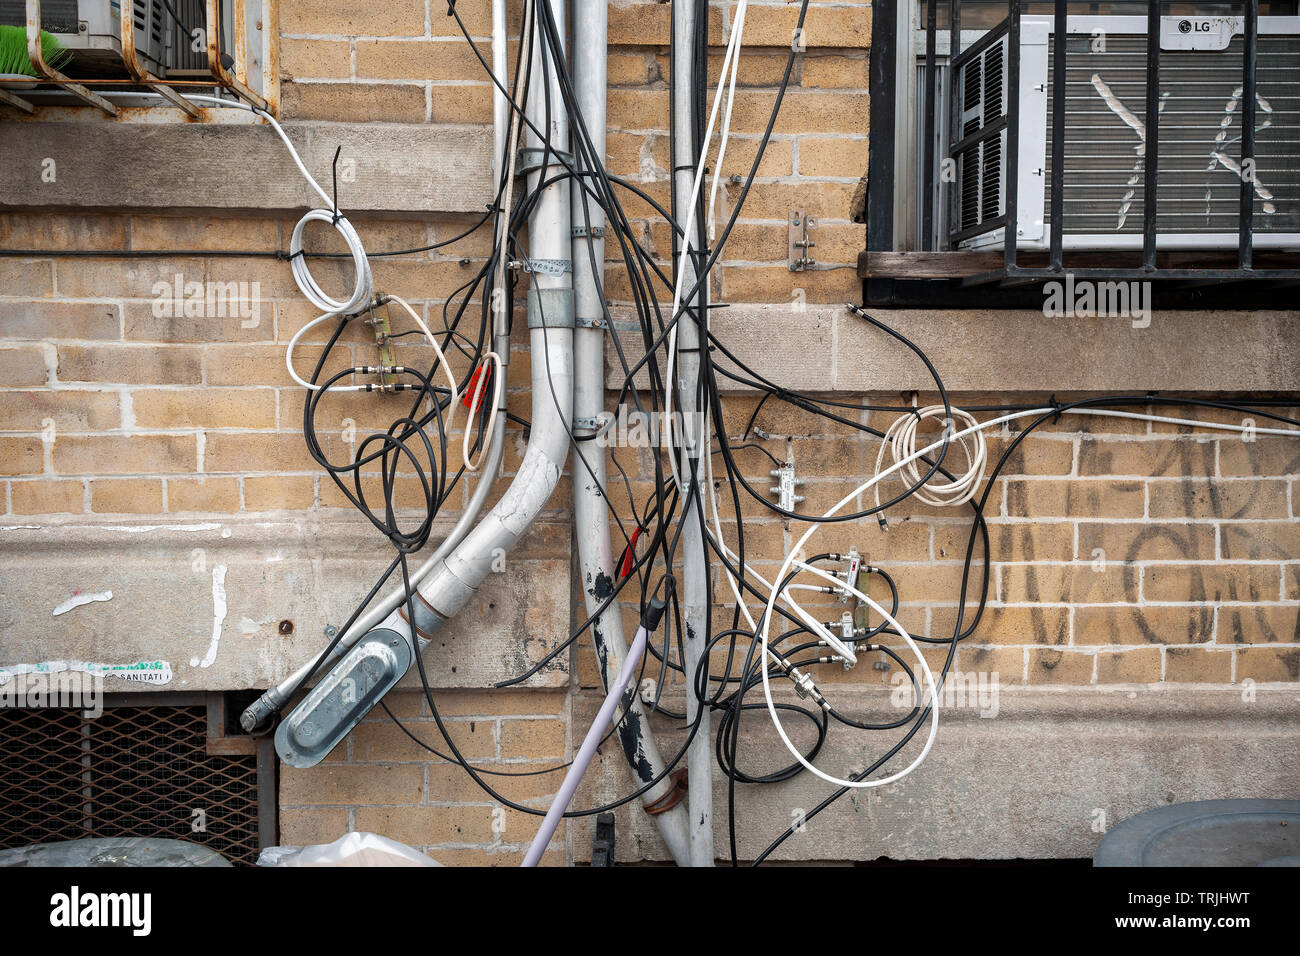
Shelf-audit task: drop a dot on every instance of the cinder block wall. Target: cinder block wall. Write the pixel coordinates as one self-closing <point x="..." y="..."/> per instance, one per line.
<point x="1124" y="555"/>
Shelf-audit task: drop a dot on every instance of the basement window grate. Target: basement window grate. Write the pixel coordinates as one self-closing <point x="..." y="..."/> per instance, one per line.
<point x="140" y="769"/>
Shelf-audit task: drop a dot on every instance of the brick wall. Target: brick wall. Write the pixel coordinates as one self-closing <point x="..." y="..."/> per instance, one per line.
<point x="1122" y="553"/>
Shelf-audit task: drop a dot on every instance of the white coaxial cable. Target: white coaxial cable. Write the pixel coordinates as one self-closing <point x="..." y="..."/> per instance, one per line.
<point x="900" y="442"/>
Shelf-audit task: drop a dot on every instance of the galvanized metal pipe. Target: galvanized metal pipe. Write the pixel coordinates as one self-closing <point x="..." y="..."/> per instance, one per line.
<point x="590" y="503"/>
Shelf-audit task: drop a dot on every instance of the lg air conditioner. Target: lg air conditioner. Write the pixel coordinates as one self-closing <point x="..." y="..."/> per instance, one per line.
<point x="1200" y="114"/>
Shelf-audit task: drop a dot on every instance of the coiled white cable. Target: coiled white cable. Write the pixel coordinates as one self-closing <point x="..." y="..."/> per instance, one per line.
<point x="307" y="283"/>
<point x="900" y="442"/>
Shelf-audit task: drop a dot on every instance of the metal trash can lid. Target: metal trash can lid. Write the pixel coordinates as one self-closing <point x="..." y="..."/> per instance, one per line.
<point x="1207" y="833"/>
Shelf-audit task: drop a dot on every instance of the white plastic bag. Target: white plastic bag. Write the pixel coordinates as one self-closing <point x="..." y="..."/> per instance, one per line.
<point x="352" y="849"/>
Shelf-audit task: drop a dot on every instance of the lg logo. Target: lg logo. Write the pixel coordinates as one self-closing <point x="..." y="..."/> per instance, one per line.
<point x="1184" y="26"/>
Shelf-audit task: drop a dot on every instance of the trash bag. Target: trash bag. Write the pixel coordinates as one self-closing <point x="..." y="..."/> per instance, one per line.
<point x="352" y="849"/>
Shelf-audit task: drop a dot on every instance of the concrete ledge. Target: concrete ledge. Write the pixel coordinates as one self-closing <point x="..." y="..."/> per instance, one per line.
<point x="1032" y="782"/>
<point x="400" y="169"/>
<point x="828" y="349"/>
<point x="163" y="576"/>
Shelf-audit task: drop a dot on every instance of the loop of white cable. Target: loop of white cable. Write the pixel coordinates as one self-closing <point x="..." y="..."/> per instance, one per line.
<point x="493" y="361"/>
<point x="307" y="284"/>
<point x="900" y="442"/>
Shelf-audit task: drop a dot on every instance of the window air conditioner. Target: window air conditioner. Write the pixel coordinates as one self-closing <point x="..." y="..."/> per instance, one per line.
<point x="1200" y="107"/>
<point x="92" y="31"/>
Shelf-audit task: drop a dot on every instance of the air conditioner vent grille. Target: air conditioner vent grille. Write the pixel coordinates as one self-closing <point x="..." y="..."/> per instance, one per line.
<point x="1200" y="138"/>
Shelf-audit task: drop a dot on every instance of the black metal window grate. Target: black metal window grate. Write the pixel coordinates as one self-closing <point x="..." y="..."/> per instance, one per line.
<point x="139" y="771"/>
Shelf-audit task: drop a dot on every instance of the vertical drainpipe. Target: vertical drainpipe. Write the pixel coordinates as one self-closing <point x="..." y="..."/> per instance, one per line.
<point x="590" y="509"/>
<point x="695" y="566"/>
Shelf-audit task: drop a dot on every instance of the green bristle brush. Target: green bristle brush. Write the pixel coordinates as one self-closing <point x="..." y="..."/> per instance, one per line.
<point x="13" y="51"/>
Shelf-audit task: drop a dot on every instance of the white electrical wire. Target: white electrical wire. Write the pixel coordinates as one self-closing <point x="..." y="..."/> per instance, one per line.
<point x="730" y="65"/>
<point x="900" y="442"/>
<point x="474" y="397"/>
<point x="791" y="560"/>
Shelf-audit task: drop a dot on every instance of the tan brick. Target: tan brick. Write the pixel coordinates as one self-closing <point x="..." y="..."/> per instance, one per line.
<point x="1223" y="498"/>
<point x="204" y="408"/>
<point x="315" y="59"/>
<point x="1016" y="541"/>
<point x="1145" y="541"/>
<point x="122" y="455"/>
<point x="352" y="784"/>
<point x="1197" y="665"/>
<point x="143" y="278"/>
<point x="21" y="456"/>
<point x="23" y="366"/>
<point x="1275" y="541"/>
<point x="646" y="24"/>
<point x="628" y="69"/>
<point x="385" y="741"/>
<point x="138" y="365"/>
<point x="265" y="364"/>
<point x="203" y="494"/>
<point x="1066" y="584"/>
<point x="243" y="321"/>
<point x="779" y="284"/>
<point x="418" y="60"/>
<point x="351" y="103"/>
<point x="279" y="492"/>
<point x="504" y="702"/>
<point x="1141" y="665"/>
<point x="836" y="72"/>
<point x="71" y="410"/>
<point x="55" y="231"/>
<point x="1007" y="625"/>
<point x="449" y="783"/>
<point x="422" y="826"/>
<point x="27" y="276"/>
<point x="534" y="739"/>
<point x="832" y="158"/>
<point x="353" y="17"/>
<point x="47" y="497"/>
<point x="206" y="233"/>
<point x="1007" y="662"/>
<point x="1269" y="664"/>
<point x="1059" y="666"/>
<point x="463" y="104"/>
<point x="1075" y="498"/>
<point x="59" y="320"/>
<point x="1037" y="455"/>
<point x="1260" y="625"/>
<point x="1218" y="582"/>
<point x="310" y="826"/>
<point x="1171" y="458"/>
<point x="228" y="453"/>
<point x="1143" y="625"/>
<point x="847" y="26"/>
<point x="126" y="496"/>
<point x="1267" y="456"/>
<point x="802" y="111"/>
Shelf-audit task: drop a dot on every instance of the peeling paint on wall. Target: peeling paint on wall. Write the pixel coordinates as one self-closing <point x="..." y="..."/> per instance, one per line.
<point x="79" y="598"/>
<point x="218" y="616"/>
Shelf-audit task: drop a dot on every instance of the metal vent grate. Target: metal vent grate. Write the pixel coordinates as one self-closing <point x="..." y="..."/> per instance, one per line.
<point x="977" y="195"/>
<point x="140" y="771"/>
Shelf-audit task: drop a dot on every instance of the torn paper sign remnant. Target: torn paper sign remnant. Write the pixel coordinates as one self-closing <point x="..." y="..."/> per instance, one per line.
<point x="141" y="672"/>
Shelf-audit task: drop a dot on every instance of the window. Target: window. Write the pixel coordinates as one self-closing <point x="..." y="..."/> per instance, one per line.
<point x="984" y="137"/>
